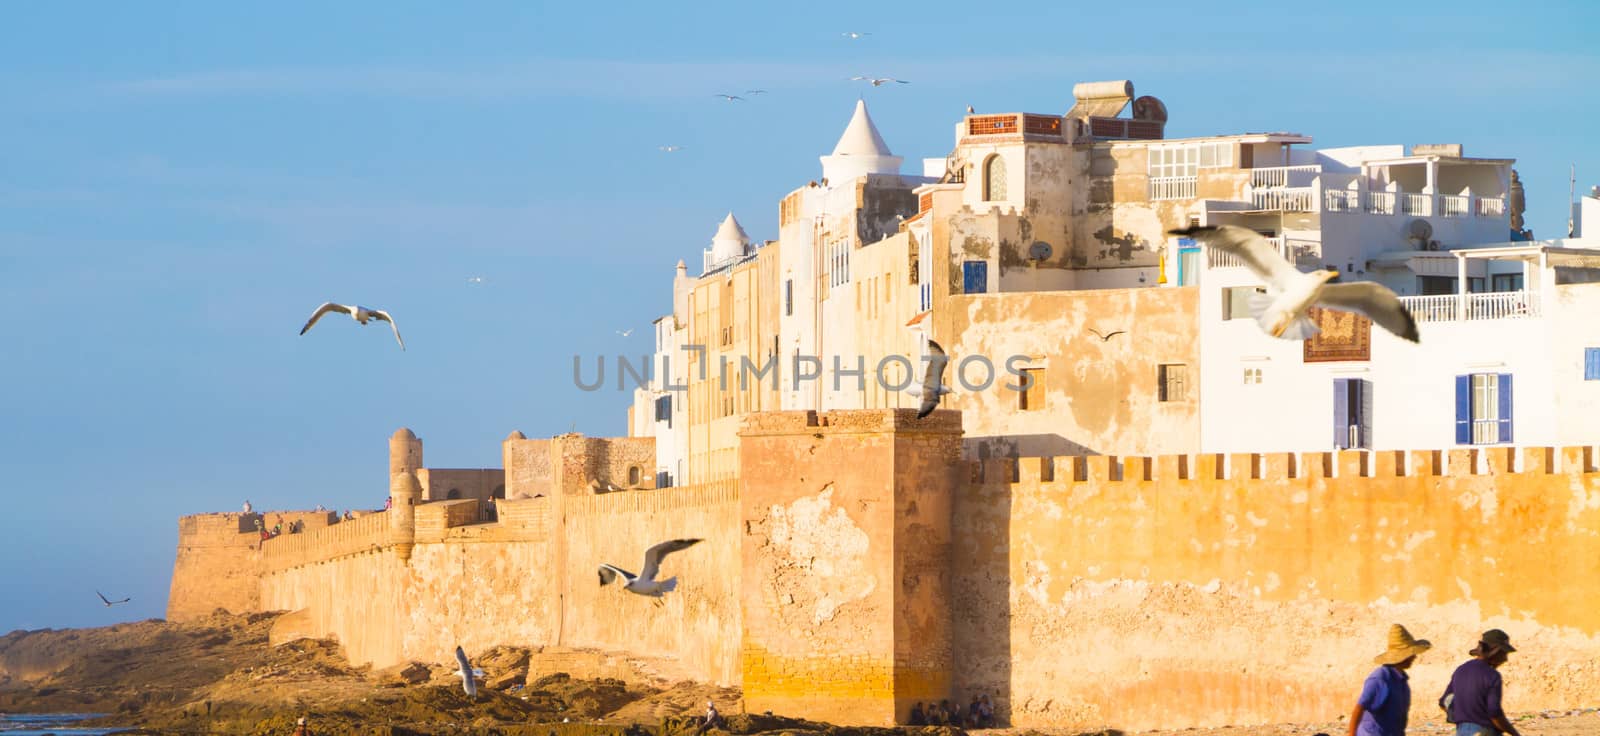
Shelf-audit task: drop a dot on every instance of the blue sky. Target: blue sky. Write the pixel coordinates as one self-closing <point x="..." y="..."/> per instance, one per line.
<point x="182" y="183"/>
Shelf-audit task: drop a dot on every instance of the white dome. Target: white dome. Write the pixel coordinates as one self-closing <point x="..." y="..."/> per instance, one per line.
<point x="860" y="150"/>
<point x="729" y="242"/>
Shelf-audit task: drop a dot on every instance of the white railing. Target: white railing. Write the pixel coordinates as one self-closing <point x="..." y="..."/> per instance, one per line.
<point x="1218" y="258"/>
<point x="1172" y="187"/>
<point x="1380" y="203"/>
<point x="1454" y="205"/>
<point x="1298" y="199"/>
<point x="1437" y="308"/>
<point x="1491" y="207"/>
<point x="1494" y="305"/>
<point x="1284" y="176"/>
<point x="1485" y="431"/>
<point x="1416" y="204"/>
<point x="1341" y="200"/>
<point x="1502" y="305"/>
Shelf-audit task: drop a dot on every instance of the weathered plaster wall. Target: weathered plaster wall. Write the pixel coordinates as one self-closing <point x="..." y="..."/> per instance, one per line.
<point x="437" y="483"/>
<point x="1098" y="393"/>
<point x="528" y="468"/>
<point x="1174" y="598"/>
<point x="844" y="525"/>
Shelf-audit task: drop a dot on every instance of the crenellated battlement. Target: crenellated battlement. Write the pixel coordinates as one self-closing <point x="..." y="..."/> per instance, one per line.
<point x="1288" y="466"/>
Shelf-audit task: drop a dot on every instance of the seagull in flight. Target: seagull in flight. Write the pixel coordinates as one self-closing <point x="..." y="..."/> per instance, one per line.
<point x="110" y="603"/>
<point x="879" y="81"/>
<point x="645" y="582"/>
<point x="730" y="98"/>
<point x="1281" y="311"/>
<point x="932" y="386"/>
<point x="670" y="149"/>
<point x="469" y="674"/>
<point x="755" y="92"/>
<point x="626" y="332"/>
<point x="1106" y="336"/>
<point x="360" y="314"/>
<point x="475" y="280"/>
<point x="854" y="35"/>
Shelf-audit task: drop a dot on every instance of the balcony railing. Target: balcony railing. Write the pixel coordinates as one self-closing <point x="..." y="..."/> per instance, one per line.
<point x="1455" y="205"/>
<point x="1297" y="199"/>
<point x="1172" y="187"/>
<point x="1489" y="207"/>
<point x="1380" y="203"/>
<point x="1284" y="176"/>
<point x="1416" y="204"/>
<point x="1218" y="258"/>
<point x="1494" y="305"/>
<point x="1341" y="200"/>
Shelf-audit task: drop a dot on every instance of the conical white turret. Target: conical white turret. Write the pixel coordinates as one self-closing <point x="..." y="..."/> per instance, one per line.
<point x="860" y="151"/>
<point x="729" y="244"/>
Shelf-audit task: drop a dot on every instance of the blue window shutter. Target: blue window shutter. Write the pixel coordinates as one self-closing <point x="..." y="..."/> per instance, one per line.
<point x="1505" y="407"/>
<point x="1463" y="410"/>
<point x="1341" y="413"/>
<point x="1591" y="364"/>
<point x="1367" y="413"/>
<point x="975" y="277"/>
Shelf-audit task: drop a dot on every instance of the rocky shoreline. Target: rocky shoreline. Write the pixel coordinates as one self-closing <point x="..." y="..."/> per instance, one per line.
<point x="220" y="675"/>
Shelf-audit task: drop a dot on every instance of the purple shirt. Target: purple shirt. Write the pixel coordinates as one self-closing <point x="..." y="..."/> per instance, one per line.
<point x="1476" y="686"/>
<point x="1386" y="700"/>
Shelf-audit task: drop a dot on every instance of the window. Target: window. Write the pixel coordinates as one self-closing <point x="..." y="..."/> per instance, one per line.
<point x="788" y="297"/>
<point x="453" y="494"/>
<point x="1483" y="408"/>
<point x="1173" y="380"/>
<point x="1252" y="376"/>
<point x="1591" y="364"/>
<point x="1188" y="263"/>
<point x="663" y="479"/>
<point x="1031" y="398"/>
<point x="1507" y="282"/>
<point x="1352" y="413"/>
<point x="1168" y="161"/>
<point x="839" y="263"/>
<point x="994" y="178"/>
<point x="975" y="277"/>
<point x="1216" y="155"/>
<point x="1236" y="301"/>
<point x="634" y="475"/>
<point x="664" y="409"/>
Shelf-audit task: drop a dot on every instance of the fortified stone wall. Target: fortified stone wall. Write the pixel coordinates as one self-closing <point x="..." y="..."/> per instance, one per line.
<point x="479" y="483"/>
<point x="1140" y="593"/>
<point x="219" y="560"/>
<point x="860" y="565"/>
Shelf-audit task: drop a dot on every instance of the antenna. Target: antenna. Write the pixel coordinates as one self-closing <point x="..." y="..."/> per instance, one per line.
<point x="1572" y="196"/>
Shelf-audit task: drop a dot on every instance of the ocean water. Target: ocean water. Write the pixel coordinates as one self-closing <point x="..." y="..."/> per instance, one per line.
<point x="39" y="724"/>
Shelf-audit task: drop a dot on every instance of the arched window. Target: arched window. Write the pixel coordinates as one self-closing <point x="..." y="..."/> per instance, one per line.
<point x="453" y="494"/>
<point x="994" y="178"/>
<point x="633" y="475"/>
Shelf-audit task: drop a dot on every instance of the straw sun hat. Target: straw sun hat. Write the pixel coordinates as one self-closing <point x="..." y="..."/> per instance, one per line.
<point x="1401" y="646"/>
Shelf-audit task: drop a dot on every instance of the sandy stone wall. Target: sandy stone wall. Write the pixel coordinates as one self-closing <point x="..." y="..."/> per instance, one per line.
<point x="1203" y="590"/>
<point x="219" y="560"/>
<point x="437" y="483"/>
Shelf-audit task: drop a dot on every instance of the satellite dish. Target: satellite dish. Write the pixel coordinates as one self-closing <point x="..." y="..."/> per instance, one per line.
<point x="1419" y="230"/>
<point x="1039" y="251"/>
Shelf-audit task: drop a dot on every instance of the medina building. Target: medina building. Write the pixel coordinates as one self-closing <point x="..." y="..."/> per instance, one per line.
<point x="1036" y="254"/>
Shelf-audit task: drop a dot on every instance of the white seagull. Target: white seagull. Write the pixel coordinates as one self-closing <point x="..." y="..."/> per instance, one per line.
<point x="469" y="675"/>
<point x="110" y="603"/>
<point x="670" y="149"/>
<point x="1281" y="311"/>
<point x="932" y="386"/>
<point x="879" y="81"/>
<point x="854" y="35"/>
<point x="730" y="98"/>
<point x="360" y="314"/>
<point x="475" y="280"/>
<point x="645" y="582"/>
<point x="626" y="332"/>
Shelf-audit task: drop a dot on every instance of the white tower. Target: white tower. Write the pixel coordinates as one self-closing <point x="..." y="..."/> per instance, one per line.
<point x="728" y="245"/>
<point x="860" y="151"/>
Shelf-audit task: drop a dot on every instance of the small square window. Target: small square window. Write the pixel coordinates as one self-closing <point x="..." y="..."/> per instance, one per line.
<point x="1252" y="376"/>
<point x="1173" y="380"/>
<point x="1031" y="398"/>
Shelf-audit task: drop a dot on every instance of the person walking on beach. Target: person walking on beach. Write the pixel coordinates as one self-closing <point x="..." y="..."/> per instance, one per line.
<point x="1385" y="701"/>
<point x="300" y="728"/>
<point x="1472" y="699"/>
